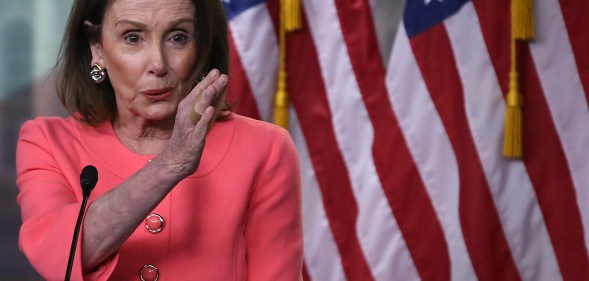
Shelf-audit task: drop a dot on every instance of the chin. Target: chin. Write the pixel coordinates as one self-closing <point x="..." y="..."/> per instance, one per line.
<point x="161" y="112"/>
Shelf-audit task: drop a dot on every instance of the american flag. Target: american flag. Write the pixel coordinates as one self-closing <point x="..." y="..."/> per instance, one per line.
<point x="403" y="177"/>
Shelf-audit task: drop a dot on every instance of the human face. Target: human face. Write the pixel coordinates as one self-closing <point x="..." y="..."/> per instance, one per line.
<point x="148" y="48"/>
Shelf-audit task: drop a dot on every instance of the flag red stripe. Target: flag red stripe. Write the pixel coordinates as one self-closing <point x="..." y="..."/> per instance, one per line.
<point x="239" y="91"/>
<point x="314" y="114"/>
<point x="478" y="215"/>
<point x="543" y="153"/>
<point x="550" y="175"/>
<point x="306" y="276"/>
<point x="274" y="10"/>
<point x="396" y="169"/>
<point x="575" y="17"/>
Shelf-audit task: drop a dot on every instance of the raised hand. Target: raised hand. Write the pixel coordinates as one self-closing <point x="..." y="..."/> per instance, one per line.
<point x="195" y="116"/>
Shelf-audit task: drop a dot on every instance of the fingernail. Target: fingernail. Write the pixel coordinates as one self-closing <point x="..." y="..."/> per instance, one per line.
<point x="223" y="79"/>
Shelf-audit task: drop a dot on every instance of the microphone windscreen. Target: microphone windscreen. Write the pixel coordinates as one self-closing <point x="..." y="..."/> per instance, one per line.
<point x="88" y="178"/>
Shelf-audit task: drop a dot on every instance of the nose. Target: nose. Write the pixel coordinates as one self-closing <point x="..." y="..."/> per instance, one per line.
<point x="158" y="61"/>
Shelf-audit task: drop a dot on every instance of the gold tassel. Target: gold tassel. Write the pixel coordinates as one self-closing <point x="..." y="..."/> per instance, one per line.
<point x="281" y="102"/>
<point x="291" y="10"/>
<point x="522" y="19"/>
<point x="290" y="20"/>
<point x="512" y="145"/>
<point x="522" y="28"/>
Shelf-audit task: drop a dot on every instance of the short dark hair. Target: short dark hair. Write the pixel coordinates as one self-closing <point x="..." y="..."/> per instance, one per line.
<point x="95" y="103"/>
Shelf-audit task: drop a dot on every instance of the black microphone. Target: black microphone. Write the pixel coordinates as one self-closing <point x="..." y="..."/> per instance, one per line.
<point x="88" y="180"/>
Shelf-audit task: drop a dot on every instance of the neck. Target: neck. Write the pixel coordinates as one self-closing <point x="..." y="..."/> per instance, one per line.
<point x="144" y="136"/>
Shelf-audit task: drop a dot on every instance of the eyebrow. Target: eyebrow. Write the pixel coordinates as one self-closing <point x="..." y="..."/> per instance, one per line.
<point x="144" y="26"/>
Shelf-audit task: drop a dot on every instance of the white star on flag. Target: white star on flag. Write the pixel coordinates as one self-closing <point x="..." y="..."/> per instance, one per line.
<point x="426" y="2"/>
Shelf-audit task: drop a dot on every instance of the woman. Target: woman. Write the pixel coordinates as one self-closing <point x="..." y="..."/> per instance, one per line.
<point x="166" y="207"/>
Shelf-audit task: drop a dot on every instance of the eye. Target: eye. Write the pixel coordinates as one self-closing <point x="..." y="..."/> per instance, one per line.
<point x="179" y="38"/>
<point x="132" y="38"/>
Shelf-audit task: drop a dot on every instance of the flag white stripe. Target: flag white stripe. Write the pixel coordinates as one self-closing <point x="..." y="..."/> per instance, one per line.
<point x="321" y="253"/>
<point x="430" y="147"/>
<point x="554" y="59"/>
<point x="252" y="44"/>
<point x="378" y="233"/>
<point x="512" y="190"/>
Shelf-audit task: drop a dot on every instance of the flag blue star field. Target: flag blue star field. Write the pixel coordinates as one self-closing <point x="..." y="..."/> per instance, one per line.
<point x="401" y="164"/>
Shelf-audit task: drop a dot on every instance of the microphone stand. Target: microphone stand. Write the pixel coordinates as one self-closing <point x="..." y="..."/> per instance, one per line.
<point x="70" y="262"/>
<point x="88" y="179"/>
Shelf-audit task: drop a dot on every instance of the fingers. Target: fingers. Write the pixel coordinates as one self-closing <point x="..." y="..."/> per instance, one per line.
<point x="196" y="91"/>
<point x="206" y="93"/>
<point x="206" y="120"/>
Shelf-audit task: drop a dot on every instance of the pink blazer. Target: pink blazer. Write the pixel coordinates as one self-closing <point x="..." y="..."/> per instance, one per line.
<point x="237" y="218"/>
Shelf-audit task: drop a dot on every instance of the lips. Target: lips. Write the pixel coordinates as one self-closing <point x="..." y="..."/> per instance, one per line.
<point x="158" y="94"/>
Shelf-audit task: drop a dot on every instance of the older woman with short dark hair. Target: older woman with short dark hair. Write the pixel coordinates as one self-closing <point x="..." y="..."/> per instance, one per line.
<point x="144" y="81"/>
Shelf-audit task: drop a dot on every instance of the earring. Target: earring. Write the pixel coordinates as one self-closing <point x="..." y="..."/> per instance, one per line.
<point x="97" y="74"/>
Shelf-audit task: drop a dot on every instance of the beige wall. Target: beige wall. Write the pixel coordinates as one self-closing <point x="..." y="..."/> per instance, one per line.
<point x="30" y="33"/>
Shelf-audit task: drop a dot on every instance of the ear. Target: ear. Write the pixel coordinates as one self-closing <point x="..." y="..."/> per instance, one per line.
<point x="94" y="40"/>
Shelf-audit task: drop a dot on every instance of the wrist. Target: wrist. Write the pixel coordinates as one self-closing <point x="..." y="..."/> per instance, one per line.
<point x="168" y="170"/>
